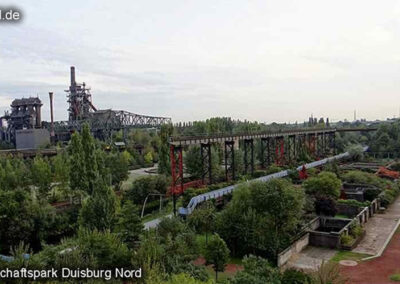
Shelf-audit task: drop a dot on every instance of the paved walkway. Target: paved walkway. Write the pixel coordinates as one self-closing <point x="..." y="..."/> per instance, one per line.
<point x="154" y="223"/>
<point x="378" y="270"/>
<point x="378" y="230"/>
<point x="310" y="258"/>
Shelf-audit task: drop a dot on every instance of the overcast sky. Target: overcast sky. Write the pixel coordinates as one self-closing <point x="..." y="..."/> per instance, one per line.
<point x="261" y="60"/>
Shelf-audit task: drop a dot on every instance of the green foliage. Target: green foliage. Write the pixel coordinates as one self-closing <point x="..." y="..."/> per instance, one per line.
<point x="89" y="157"/>
<point x="261" y="217"/>
<point x="118" y="164"/>
<point x="192" y="160"/>
<point x="395" y="277"/>
<point x="129" y="226"/>
<point x="356" y="230"/>
<point x="388" y="196"/>
<point x="14" y="173"/>
<point x="273" y="169"/>
<point x="293" y="276"/>
<point x="353" y="202"/>
<point x="217" y="254"/>
<point x="142" y="186"/>
<point x="360" y="177"/>
<point x="61" y="170"/>
<point x="163" y="160"/>
<point x="325" y="184"/>
<point x="356" y="152"/>
<point x="202" y="219"/>
<point x="99" y="210"/>
<point x="257" y="271"/>
<point x="171" y="247"/>
<point x="23" y="219"/>
<point x="328" y="272"/>
<point x="106" y="248"/>
<point x="346" y="240"/>
<point x="77" y="174"/>
<point x="41" y="175"/>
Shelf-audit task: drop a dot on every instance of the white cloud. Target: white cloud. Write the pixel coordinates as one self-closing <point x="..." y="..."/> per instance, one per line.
<point x="264" y="60"/>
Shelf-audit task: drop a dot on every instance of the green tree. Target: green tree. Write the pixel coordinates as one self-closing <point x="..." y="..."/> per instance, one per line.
<point x="281" y="204"/>
<point x="142" y="186"/>
<point x="261" y="217"/>
<point x="202" y="219"/>
<point x="89" y="157"/>
<point x="118" y="165"/>
<point x="356" y="152"/>
<point x="163" y="159"/>
<point x="99" y="210"/>
<point x="325" y="184"/>
<point x="129" y="226"/>
<point x="77" y="174"/>
<point x="217" y="254"/>
<point x="192" y="161"/>
<point x="257" y="270"/>
<point x="61" y="170"/>
<point x="41" y="175"/>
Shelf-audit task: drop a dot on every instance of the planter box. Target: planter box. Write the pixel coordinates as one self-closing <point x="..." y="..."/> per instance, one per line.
<point x="354" y="244"/>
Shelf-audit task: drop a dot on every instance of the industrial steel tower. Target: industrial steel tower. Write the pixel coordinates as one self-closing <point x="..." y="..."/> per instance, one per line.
<point x="79" y="99"/>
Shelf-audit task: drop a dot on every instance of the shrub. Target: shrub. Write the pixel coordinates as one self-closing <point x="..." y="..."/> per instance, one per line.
<point x="346" y="240"/>
<point x="353" y="202"/>
<point x="328" y="272"/>
<point x="325" y="184"/>
<point x="293" y="276"/>
<point x="356" y="231"/>
<point x="273" y="169"/>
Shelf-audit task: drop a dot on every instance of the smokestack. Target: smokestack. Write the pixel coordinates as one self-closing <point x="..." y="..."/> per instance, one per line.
<point x="73" y="76"/>
<point x="51" y="111"/>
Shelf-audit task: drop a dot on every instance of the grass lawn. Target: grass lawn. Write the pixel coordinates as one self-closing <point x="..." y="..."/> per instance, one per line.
<point x="341" y="216"/>
<point x="395" y="277"/>
<point x="348" y="255"/>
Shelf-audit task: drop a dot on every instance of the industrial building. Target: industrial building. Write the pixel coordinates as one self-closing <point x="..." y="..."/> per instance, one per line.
<point x="23" y="127"/>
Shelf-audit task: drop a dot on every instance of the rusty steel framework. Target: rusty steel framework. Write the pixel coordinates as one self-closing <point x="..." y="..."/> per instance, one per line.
<point x="102" y="122"/>
<point x="281" y="148"/>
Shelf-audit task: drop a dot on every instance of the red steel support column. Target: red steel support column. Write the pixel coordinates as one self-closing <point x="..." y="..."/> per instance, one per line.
<point x="176" y="174"/>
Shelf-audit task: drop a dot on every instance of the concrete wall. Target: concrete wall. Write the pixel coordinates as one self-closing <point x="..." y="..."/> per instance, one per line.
<point x="348" y="210"/>
<point x="323" y="239"/>
<point x="296" y="247"/>
<point x="31" y="138"/>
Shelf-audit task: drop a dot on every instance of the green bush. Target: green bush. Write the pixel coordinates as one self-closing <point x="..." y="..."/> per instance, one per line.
<point x="356" y="231"/>
<point x="293" y="276"/>
<point x="273" y="169"/>
<point x="353" y="202"/>
<point x="346" y="240"/>
<point x="366" y="178"/>
<point x="388" y="196"/>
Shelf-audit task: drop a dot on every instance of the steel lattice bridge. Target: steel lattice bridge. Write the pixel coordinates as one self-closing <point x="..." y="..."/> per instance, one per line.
<point x="104" y="122"/>
<point x="279" y="148"/>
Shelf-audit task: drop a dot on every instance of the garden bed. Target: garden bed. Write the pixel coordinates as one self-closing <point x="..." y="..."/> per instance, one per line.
<point x="354" y="244"/>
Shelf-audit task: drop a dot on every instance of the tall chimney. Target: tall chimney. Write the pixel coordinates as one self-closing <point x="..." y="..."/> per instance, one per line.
<point x="73" y="76"/>
<point x="51" y="111"/>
